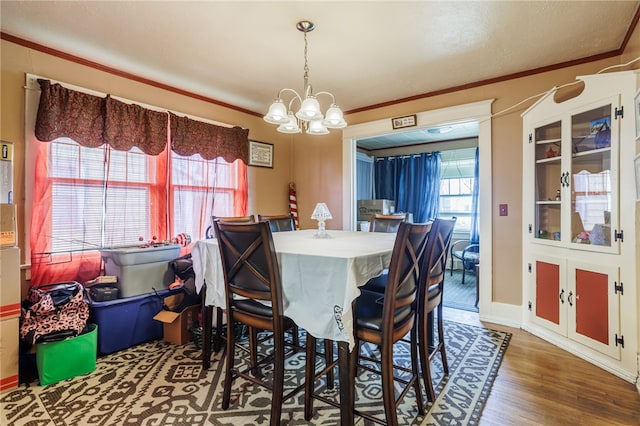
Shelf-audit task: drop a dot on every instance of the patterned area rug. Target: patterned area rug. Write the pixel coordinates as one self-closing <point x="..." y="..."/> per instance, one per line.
<point x="162" y="384"/>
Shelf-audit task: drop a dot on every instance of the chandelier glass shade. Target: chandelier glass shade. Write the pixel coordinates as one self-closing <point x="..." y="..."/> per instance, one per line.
<point x="309" y="115"/>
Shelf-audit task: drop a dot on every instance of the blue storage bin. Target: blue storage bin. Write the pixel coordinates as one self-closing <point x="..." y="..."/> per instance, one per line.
<point x="127" y="322"/>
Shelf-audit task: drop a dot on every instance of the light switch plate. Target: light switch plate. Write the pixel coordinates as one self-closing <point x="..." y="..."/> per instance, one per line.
<point x="504" y="210"/>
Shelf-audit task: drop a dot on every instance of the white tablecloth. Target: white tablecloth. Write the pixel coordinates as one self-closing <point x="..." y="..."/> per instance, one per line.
<point x="320" y="277"/>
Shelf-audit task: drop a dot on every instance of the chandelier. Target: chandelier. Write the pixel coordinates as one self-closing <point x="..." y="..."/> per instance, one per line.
<point x="309" y="115"/>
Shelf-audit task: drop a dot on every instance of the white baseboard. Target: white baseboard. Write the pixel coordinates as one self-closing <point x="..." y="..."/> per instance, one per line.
<point x="501" y="313"/>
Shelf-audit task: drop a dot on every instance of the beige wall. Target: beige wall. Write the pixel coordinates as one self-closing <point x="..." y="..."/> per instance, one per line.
<point x="315" y="163"/>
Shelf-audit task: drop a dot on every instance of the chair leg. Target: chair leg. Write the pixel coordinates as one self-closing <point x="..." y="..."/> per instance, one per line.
<point x="463" y="271"/>
<point x="278" y="380"/>
<point x="309" y="375"/>
<point x="443" y="352"/>
<point x="423" y="347"/>
<point x="253" y="350"/>
<point x="415" y="370"/>
<point x="388" y="392"/>
<point x="230" y="355"/>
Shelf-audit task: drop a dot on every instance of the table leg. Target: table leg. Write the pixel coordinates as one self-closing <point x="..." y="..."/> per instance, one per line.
<point x="206" y="333"/>
<point x="347" y="394"/>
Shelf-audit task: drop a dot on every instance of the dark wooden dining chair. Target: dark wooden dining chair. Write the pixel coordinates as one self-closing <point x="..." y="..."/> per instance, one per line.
<point x="278" y="223"/>
<point x="383" y="320"/>
<point x="230" y="219"/>
<point x="252" y="277"/>
<point x="207" y="311"/>
<point x="387" y="222"/>
<point x="431" y="286"/>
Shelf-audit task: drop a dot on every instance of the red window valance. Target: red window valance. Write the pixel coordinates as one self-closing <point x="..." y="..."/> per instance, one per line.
<point x="190" y="137"/>
<point x="67" y="113"/>
<point x="92" y="121"/>
<point x="129" y="125"/>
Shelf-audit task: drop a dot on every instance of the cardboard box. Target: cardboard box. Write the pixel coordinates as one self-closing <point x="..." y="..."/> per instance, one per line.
<point x="9" y="354"/>
<point x="9" y="282"/>
<point x="368" y="207"/>
<point x="8" y="225"/>
<point x="177" y="325"/>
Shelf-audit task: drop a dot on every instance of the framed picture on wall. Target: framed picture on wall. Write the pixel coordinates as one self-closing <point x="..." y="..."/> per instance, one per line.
<point x="260" y="154"/>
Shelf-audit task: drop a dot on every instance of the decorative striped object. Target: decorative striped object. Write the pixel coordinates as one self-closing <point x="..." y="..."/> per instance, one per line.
<point x="293" y="203"/>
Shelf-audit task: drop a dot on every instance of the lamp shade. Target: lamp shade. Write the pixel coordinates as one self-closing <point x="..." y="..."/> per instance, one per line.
<point x="310" y="109"/>
<point x="317" y="128"/>
<point x="277" y="113"/>
<point x="334" y="118"/>
<point x="290" y="126"/>
<point x="321" y="212"/>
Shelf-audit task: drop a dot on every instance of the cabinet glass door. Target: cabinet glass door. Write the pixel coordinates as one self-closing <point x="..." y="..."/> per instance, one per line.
<point x="548" y="174"/>
<point x="591" y="177"/>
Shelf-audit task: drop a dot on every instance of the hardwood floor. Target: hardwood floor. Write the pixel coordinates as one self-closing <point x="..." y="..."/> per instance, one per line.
<point x="540" y="384"/>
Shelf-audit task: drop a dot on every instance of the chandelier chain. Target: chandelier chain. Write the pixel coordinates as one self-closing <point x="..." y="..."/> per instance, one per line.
<point x="306" y="63"/>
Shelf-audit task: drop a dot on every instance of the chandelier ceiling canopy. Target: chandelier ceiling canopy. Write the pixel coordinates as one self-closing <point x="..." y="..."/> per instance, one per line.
<point x="309" y="114"/>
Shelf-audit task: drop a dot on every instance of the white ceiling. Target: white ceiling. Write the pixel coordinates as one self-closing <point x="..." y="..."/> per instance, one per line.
<point x="364" y="52"/>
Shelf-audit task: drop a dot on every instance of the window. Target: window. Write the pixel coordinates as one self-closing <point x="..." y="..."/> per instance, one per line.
<point x="201" y="189"/>
<point x="456" y="186"/>
<point x="101" y="197"/>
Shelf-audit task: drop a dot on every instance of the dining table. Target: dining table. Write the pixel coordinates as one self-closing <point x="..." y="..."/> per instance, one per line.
<point x="320" y="280"/>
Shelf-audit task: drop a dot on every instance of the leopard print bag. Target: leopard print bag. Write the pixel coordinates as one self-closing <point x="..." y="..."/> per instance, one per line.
<point x="53" y="311"/>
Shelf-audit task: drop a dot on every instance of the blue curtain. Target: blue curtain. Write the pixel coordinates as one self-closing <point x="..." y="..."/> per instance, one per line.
<point x="413" y="182"/>
<point x="364" y="177"/>
<point x="475" y="213"/>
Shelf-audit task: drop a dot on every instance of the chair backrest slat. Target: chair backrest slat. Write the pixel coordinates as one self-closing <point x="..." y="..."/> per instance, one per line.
<point x="279" y="223"/>
<point x="387" y="222"/>
<point x="249" y="262"/>
<point x="433" y="262"/>
<point x="402" y="282"/>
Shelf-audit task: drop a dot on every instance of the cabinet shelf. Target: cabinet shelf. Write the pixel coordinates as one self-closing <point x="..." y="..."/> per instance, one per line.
<point x="590" y="152"/>
<point x="548" y="141"/>
<point x="548" y="202"/>
<point x="549" y="160"/>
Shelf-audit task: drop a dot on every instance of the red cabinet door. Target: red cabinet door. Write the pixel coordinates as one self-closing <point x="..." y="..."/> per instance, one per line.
<point x="548" y="292"/>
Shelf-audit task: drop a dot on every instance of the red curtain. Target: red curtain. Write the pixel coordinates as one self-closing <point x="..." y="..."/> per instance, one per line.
<point x="48" y="267"/>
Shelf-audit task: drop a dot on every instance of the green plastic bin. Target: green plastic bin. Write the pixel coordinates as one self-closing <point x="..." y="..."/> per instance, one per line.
<point x="68" y="358"/>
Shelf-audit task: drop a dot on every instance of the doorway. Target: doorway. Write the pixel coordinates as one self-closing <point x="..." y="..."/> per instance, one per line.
<point x="478" y="112"/>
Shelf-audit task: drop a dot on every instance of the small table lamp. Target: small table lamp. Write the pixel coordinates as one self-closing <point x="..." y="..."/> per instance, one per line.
<point x="321" y="213"/>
